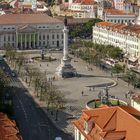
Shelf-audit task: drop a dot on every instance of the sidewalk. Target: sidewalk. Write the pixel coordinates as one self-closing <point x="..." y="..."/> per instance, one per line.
<point x="61" y="123"/>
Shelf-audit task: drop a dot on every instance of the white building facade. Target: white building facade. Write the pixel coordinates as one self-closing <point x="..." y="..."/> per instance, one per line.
<point x="83" y="9"/>
<point x="24" y="31"/>
<point x="118" y="4"/>
<point x="135" y="102"/>
<point x="120" y="35"/>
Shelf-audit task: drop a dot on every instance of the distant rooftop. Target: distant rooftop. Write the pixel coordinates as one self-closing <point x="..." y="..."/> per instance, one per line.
<point x="27" y="19"/>
<point x="112" y="11"/>
<point x="8" y="129"/>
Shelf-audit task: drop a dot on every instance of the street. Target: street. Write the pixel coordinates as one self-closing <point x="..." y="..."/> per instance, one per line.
<point x="32" y="121"/>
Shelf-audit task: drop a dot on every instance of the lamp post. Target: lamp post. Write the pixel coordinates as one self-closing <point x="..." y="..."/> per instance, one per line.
<point x="42" y="53"/>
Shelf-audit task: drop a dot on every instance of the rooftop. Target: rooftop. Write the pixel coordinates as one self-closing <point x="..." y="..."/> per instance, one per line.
<point x="112" y="11"/>
<point x="85" y="2"/>
<point x="120" y="27"/>
<point x="8" y="129"/>
<point x="112" y="123"/>
<point x="27" y="19"/>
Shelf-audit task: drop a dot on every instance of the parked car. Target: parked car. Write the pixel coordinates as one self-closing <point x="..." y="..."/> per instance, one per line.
<point x="58" y="138"/>
<point x="1" y="58"/>
<point x="13" y="74"/>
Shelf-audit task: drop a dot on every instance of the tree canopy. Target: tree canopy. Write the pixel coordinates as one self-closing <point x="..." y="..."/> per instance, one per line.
<point x="85" y="30"/>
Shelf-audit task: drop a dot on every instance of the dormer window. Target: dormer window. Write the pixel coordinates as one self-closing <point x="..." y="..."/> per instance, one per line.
<point x="88" y="125"/>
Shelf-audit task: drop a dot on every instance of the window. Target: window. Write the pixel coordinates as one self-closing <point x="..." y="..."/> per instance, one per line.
<point x="57" y="36"/>
<point x="53" y="36"/>
<point x="43" y="37"/>
<point x="13" y="38"/>
<point x="62" y="36"/>
<point x="47" y="36"/>
<point x="39" y="37"/>
<point x="53" y="42"/>
<point x="79" y="136"/>
<point x="4" y="38"/>
<point x="8" y="38"/>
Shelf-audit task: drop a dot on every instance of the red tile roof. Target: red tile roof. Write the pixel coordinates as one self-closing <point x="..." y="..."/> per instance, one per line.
<point x="123" y="28"/>
<point x="112" y="123"/>
<point x="112" y="11"/>
<point x="27" y="19"/>
<point x="8" y="129"/>
<point x="85" y="2"/>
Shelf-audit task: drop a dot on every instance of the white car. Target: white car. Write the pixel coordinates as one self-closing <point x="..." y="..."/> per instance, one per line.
<point x="1" y="58"/>
<point x="58" y="138"/>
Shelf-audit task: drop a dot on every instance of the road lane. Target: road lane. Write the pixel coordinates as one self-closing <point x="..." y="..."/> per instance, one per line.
<point x="32" y="120"/>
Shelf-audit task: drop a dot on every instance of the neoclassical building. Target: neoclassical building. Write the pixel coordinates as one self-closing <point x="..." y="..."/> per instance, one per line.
<point x="26" y="31"/>
<point x="119" y="35"/>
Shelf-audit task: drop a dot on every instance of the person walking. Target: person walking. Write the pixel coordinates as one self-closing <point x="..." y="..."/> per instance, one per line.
<point x="82" y="93"/>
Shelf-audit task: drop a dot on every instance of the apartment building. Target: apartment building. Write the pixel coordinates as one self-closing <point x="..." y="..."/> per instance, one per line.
<point x="126" y="37"/>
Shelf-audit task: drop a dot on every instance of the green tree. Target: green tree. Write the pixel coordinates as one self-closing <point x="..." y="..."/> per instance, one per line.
<point x="117" y="69"/>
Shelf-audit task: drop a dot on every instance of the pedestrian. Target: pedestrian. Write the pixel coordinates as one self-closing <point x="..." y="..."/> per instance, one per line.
<point x="126" y="95"/>
<point x="40" y="65"/>
<point x="70" y="108"/>
<point x="82" y="93"/>
<point x="53" y="78"/>
<point x="128" y="83"/>
<point x="90" y="89"/>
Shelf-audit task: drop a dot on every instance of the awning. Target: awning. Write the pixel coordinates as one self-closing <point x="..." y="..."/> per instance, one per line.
<point x="133" y="59"/>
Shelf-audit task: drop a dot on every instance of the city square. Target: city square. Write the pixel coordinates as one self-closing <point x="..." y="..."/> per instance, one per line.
<point x="91" y="82"/>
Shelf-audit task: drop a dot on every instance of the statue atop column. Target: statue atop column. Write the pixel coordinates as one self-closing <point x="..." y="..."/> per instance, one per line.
<point x="65" y="21"/>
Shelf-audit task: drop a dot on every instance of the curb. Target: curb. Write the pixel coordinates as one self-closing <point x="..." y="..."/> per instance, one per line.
<point x="44" y="110"/>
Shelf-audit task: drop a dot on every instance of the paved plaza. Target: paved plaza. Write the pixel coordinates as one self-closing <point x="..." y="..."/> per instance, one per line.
<point x="73" y="87"/>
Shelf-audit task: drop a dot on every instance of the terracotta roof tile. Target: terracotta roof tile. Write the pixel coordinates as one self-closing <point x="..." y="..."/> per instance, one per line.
<point x="27" y="19"/>
<point x="8" y="129"/>
<point x="112" y="123"/>
<point x="112" y="11"/>
<point x="85" y="2"/>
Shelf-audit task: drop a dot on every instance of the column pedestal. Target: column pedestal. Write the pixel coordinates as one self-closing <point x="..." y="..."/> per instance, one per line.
<point x="65" y="69"/>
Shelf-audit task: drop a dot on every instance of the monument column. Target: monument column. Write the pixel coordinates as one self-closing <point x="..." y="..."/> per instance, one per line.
<point x="16" y="39"/>
<point x="25" y="41"/>
<point x="21" y="41"/>
<point x="65" y="49"/>
<point x="38" y="39"/>
<point x="29" y="40"/>
<point x="34" y="40"/>
<point x="65" y="69"/>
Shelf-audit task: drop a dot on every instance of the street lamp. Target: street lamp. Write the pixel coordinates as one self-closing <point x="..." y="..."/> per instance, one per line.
<point x="42" y="53"/>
